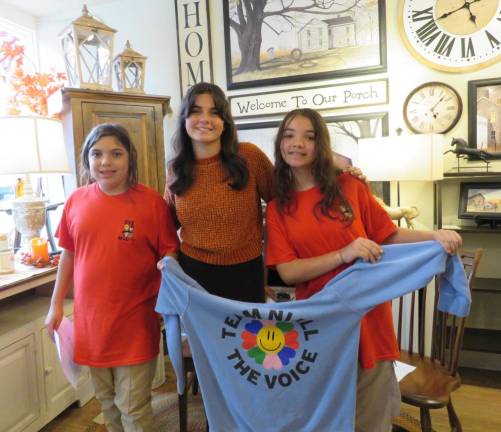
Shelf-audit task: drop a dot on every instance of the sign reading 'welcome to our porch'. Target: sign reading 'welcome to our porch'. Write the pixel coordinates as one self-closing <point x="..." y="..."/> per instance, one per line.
<point x="329" y="97"/>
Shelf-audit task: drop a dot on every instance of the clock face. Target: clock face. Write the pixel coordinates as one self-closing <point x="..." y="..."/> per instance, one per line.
<point x="432" y="108"/>
<point x="453" y="35"/>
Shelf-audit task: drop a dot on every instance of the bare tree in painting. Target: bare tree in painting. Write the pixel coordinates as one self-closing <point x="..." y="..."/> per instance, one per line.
<point x="247" y="18"/>
<point x="362" y="128"/>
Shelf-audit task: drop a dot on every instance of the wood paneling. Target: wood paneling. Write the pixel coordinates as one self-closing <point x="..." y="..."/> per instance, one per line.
<point x="141" y="115"/>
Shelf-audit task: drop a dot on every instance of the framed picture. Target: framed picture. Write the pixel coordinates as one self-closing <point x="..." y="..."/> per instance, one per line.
<point x="345" y="132"/>
<point x="300" y="40"/>
<point x="484" y="117"/>
<point x="480" y="201"/>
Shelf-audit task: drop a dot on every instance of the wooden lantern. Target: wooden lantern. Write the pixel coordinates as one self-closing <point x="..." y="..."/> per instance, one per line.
<point x="130" y="68"/>
<point x="88" y="52"/>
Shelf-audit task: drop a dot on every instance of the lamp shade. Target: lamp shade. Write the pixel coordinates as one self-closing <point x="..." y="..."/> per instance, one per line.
<point x="32" y="145"/>
<point x="410" y="157"/>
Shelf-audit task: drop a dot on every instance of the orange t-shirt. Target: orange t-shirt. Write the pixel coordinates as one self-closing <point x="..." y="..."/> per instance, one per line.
<point x="116" y="241"/>
<point x="302" y="235"/>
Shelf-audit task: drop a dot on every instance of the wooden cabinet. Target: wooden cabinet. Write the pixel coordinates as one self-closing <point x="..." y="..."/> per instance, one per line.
<point x="141" y="115"/>
<point x="482" y="337"/>
<point x="33" y="387"/>
<point x="20" y="404"/>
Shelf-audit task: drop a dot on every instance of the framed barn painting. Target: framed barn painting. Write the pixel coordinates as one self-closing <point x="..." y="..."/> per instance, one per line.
<point x="344" y="132"/>
<point x="484" y="118"/>
<point x="275" y="42"/>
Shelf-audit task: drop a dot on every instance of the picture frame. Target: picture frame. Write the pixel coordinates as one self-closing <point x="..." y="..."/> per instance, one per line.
<point x="345" y="130"/>
<point x="484" y="118"/>
<point x="303" y="41"/>
<point x="480" y="201"/>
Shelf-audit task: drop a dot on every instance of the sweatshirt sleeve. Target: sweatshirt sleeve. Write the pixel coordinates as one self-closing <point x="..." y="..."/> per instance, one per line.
<point x="404" y="268"/>
<point x="172" y="301"/>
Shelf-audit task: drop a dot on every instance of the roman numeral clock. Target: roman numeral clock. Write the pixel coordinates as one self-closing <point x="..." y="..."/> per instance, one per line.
<point x="452" y="35"/>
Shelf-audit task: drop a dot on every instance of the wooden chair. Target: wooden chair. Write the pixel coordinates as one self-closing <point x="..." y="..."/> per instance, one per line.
<point x="430" y="385"/>
<point x="191" y="382"/>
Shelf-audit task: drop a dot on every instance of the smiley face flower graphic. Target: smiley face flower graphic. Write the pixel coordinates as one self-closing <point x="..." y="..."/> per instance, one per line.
<point x="271" y="344"/>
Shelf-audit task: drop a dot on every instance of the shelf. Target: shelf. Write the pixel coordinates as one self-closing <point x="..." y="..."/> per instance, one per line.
<point x="473" y="229"/>
<point x="490" y="285"/>
<point x="452" y="175"/>
<point x="482" y="340"/>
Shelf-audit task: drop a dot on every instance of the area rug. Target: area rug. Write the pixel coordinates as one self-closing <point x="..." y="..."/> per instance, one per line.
<point x="165" y="411"/>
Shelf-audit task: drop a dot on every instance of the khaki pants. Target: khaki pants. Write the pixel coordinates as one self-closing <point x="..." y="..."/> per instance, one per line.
<point x="378" y="398"/>
<point x="125" y="396"/>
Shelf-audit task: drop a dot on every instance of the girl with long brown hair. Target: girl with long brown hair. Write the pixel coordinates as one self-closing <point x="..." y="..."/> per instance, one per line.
<point x="319" y="223"/>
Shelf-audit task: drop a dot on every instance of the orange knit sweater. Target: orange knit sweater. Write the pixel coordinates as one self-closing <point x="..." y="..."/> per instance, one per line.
<point x="220" y="225"/>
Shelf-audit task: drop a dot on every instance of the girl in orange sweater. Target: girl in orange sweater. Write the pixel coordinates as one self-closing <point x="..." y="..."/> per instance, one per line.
<point x="214" y="188"/>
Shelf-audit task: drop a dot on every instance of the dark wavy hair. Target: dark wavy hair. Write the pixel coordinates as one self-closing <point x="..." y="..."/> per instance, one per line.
<point x="181" y="168"/>
<point x="325" y="173"/>
<point x="101" y="131"/>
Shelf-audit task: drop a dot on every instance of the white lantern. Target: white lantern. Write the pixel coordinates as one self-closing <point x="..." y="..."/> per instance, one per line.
<point x="88" y="52"/>
<point x="129" y="68"/>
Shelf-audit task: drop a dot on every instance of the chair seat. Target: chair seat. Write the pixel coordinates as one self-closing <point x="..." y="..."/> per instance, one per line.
<point x="430" y="384"/>
<point x="185" y="349"/>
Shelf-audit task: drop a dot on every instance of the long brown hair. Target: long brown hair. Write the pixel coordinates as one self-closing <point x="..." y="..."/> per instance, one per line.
<point x="120" y="133"/>
<point x="333" y="204"/>
<point x="181" y="168"/>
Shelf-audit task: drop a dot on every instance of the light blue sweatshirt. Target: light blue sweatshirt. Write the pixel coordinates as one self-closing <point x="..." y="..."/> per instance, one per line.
<point x="292" y="366"/>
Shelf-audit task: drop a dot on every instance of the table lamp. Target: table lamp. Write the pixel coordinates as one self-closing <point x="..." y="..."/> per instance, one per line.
<point x="403" y="158"/>
<point x="32" y="145"/>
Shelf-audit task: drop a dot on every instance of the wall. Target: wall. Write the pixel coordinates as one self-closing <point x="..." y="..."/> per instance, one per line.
<point x="151" y="27"/>
<point x="17" y="16"/>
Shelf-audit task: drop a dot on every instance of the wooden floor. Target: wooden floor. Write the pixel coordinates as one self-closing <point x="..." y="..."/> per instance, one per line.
<point x="478" y="408"/>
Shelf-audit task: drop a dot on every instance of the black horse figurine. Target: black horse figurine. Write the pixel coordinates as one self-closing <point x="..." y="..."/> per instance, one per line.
<point x="461" y="149"/>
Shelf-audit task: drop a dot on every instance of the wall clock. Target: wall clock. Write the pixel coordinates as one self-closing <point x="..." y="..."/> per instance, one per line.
<point x="452" y="35"/>
<point x="433" y="107"/>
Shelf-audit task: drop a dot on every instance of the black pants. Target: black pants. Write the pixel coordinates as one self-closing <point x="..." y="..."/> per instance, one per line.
<point x="244" y="281"/>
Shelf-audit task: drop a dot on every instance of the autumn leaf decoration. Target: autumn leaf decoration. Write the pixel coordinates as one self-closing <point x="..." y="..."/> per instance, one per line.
<point x="27" y="91"/>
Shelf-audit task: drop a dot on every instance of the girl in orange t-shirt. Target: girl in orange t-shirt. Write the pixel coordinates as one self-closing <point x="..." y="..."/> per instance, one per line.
<point x="320" y="222"/>
<point x="113" y="231"/>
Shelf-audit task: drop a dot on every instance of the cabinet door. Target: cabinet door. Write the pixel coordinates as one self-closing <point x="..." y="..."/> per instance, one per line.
<point x="59" y="393"/>
<point x="139" y="121"/>
<point x="19" y="396"/>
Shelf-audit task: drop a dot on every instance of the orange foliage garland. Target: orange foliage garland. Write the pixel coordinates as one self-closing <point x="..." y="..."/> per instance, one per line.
<point x="27" y="90"/>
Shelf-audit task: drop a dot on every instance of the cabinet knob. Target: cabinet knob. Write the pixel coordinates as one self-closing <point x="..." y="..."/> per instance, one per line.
<point x="48" y="370"/>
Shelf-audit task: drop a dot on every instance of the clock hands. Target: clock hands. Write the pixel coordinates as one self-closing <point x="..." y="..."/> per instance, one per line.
<point x="432" y="108"/>
<point x="466" y="5"/>
<point x="436" y="103"/>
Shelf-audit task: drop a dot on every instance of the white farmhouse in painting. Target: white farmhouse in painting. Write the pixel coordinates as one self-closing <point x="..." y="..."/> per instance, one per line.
<point x="317" y="35"/>
<point x="341" y="32"/>
<point x="312" y="36"/>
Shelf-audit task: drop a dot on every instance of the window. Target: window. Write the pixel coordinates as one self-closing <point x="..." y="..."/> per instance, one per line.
<point x="13" y="33"/>
<point x="13" y="36"/>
